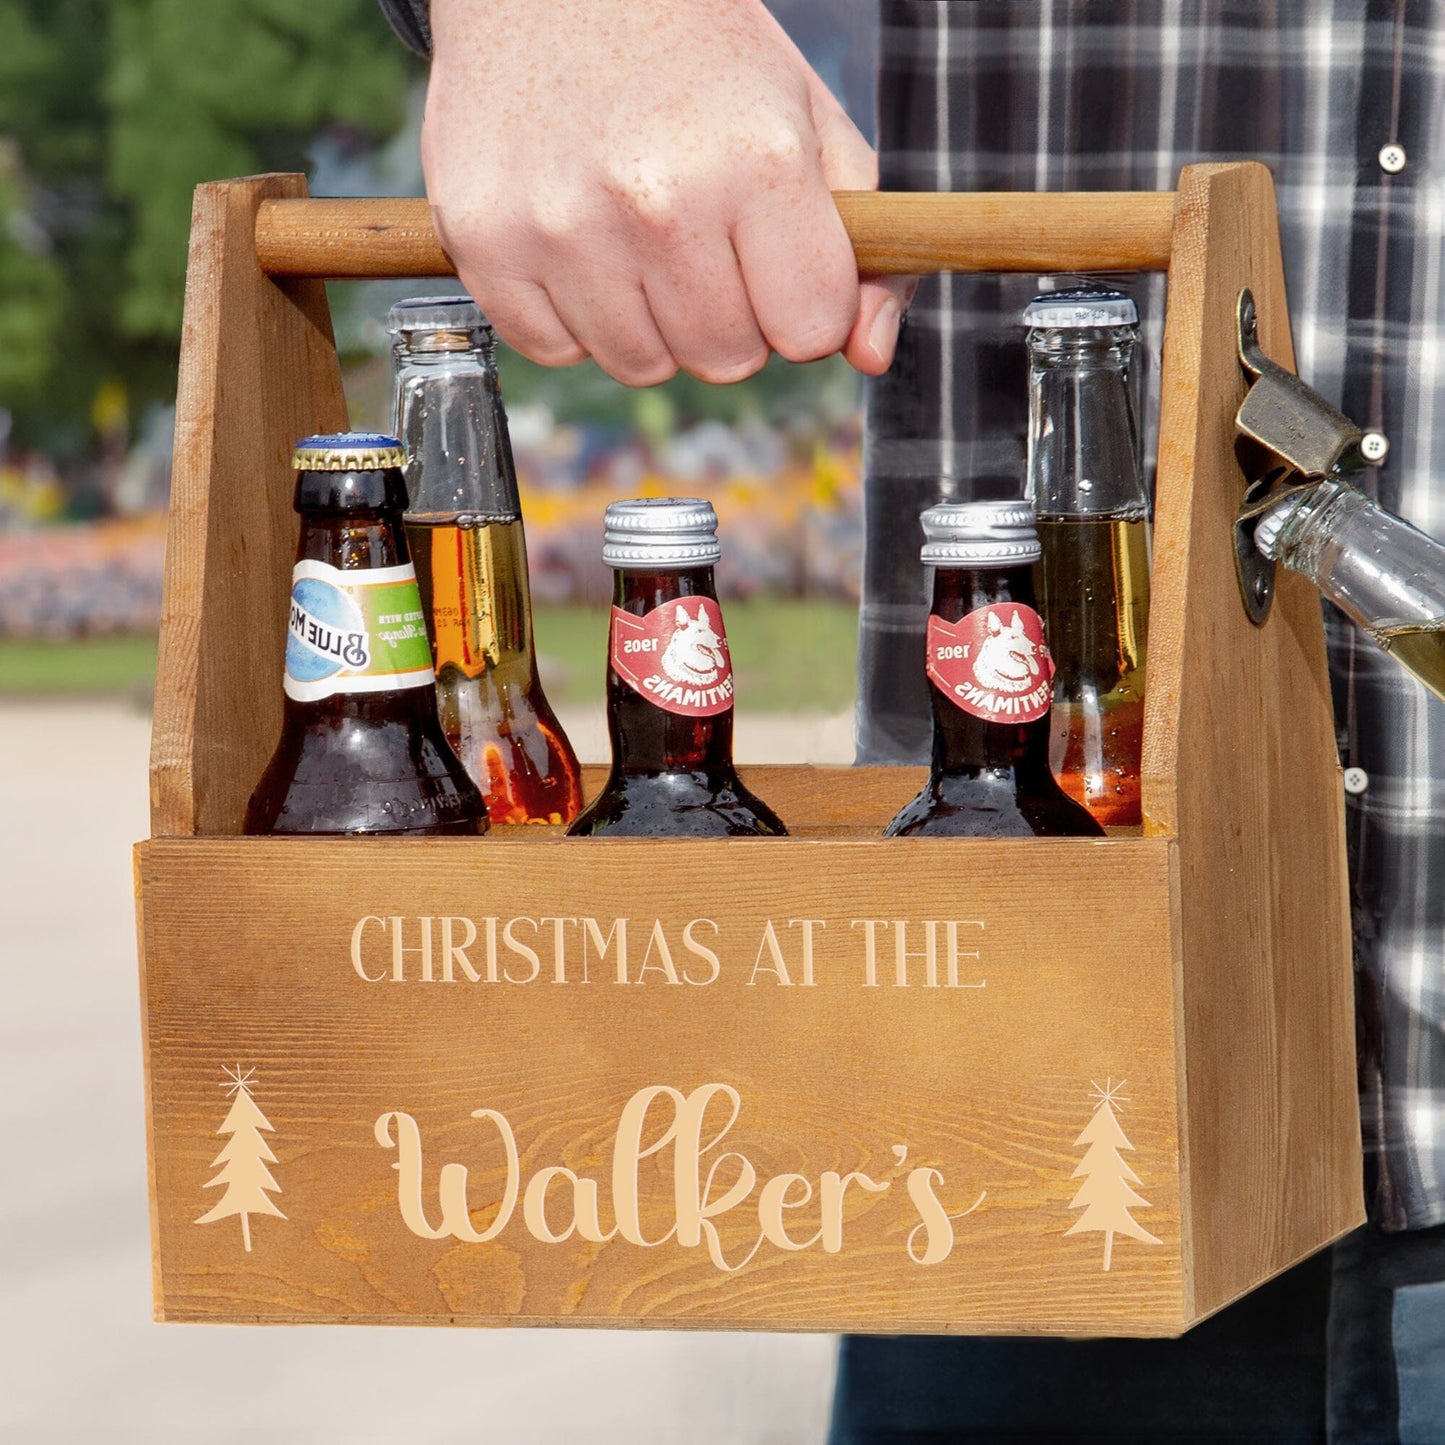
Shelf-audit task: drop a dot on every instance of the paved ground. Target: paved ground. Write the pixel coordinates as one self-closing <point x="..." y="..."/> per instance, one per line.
<point x="80" y="1359"/>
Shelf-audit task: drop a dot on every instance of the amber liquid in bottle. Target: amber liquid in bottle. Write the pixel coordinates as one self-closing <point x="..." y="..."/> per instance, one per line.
<point x="988" y="779"/>
<point x="475" y="595"/>
<point x="672" y="775"/>
<point x="364" y="762"/>
<point x="1094" y="590"/>
<point x="1420" y="647"/>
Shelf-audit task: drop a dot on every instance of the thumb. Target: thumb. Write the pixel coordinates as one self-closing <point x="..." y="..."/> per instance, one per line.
<point x="882" y="300"/>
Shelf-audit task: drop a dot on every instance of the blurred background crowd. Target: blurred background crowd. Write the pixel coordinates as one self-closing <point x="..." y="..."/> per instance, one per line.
<point x="110" y="112"/>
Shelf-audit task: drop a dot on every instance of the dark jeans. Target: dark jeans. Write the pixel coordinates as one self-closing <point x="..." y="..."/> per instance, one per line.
<point x="1347" y="1347"/>
<point x="1254" y="1372"/>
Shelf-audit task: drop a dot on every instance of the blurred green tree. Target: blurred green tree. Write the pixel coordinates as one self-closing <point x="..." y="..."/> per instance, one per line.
<point x="227" y="88"/>
<point x="111" y="111"/>
<point x="33" y="285"/>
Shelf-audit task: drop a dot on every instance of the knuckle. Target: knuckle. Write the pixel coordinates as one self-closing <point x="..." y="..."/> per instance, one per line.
<point x="535" y="340"/>
<point x="559" y="214"/>
<point x="724" y="372"/>
<point x="640" y="371"/>
<point x="779" y="150"/>
<point x="526" y="325"/>
<point x="551" y="353"/>
<point x="812" y="339"/>
<point x="657" y="205"/>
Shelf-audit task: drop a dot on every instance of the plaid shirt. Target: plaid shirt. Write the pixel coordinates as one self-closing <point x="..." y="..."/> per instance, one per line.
<point x="1113" y="95"/>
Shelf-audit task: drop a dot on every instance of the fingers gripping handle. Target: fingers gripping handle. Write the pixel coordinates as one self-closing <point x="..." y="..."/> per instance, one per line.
<point x="893" y="233"/>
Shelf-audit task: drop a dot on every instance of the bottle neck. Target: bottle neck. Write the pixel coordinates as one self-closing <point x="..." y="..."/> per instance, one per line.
<point x="967" y="746"/>
<point x="1083" y="443"/>
<point x="453" y="426"/>
<point x="353" y="540"/>
<point x="647" y="738"/>
<point x="1378" y="569"/>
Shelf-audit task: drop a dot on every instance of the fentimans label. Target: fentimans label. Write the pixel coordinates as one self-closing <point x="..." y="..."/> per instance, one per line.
<point x="360" y="631"/>
<point x="676" y="656"/>
<point x="993" y="663"/>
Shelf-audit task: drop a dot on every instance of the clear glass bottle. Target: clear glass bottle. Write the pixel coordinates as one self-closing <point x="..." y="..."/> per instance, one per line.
<point x="1085" y="483"/>
<point x="989" y="670"/>
<point x="465" y="530"/>
<point x="1384" y="574"/>
<point x="669" y="683"/>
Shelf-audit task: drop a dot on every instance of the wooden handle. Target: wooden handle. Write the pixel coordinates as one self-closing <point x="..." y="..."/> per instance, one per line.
<point x="893" y="232"/>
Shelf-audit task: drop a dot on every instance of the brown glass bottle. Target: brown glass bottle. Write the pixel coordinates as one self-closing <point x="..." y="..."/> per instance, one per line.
<point x="669" y="684"/>
<point x="361" y="748"/>
<point x="990" y="676"/>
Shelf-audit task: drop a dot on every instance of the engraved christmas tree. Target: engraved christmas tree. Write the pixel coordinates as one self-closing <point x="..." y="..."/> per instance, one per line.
<point x="1105" y="1195"/>
<point x="244" y="1159"/>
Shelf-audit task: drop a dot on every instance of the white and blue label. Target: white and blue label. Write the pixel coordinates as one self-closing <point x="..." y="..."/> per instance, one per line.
<point x="360" y="631"/>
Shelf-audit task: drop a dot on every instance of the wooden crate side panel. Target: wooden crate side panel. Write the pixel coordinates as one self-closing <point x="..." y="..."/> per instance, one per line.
<point x="258" y="371"/>
<point x="1243" y="723"/>
<point x="995" y="1085"/>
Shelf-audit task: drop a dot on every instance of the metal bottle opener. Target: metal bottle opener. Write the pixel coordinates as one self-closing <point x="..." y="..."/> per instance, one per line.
<point x="1290" y="438"/>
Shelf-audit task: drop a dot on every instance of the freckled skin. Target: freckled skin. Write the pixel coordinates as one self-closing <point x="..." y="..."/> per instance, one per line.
<point x="648" y="184"/>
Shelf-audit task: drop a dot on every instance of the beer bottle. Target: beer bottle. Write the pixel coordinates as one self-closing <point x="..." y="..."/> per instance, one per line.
<point x="991" y="675"/>
<point x="465" y="532"/>
<point x="361" y="749"/>
<point x="1093" y="517"/>
<point x="1386" y="576"/>
<point x="669" y="683"/>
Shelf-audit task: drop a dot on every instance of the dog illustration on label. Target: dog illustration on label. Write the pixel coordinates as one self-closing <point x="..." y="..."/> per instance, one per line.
<point x="694" y="652"/>
<point x="1007" y="658"/>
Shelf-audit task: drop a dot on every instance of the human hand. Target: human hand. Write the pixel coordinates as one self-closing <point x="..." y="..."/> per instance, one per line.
<point x="648" y="184"/>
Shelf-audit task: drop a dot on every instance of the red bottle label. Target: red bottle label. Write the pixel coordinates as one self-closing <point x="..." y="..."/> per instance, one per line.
<point x="994" y="663"/>
<point x="676" y="656"/>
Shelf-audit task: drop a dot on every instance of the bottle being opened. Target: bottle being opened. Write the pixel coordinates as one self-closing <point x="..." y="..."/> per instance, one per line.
<point x="465" y="532"/>
<point x="669" y="683"/>
<point x="991" y="676"/>
<point x="361" y="749"/>
<point x="1093" y="515"/>
<point x="1384" y="574"/>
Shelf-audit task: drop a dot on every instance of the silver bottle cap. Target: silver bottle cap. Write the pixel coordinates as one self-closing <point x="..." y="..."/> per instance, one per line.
<point x="1079" y="308"/>
<point x="660" y="532"/>
<point x="991" y="534"/>
<point x="451" y="315"/>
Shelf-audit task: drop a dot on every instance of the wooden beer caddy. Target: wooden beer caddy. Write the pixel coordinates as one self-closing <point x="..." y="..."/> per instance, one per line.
<point x="828" y="1082"/>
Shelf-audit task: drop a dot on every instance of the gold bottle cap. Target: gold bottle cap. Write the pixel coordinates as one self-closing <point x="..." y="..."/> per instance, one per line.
<point x="348" y="451"/>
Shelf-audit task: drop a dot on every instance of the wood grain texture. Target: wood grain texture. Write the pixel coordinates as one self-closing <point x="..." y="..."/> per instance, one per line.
<point x="1240" y="763"/>
<point x="892" y="232"/>
<point x="258" y="372"/>
<point x="990" y="1085"/>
